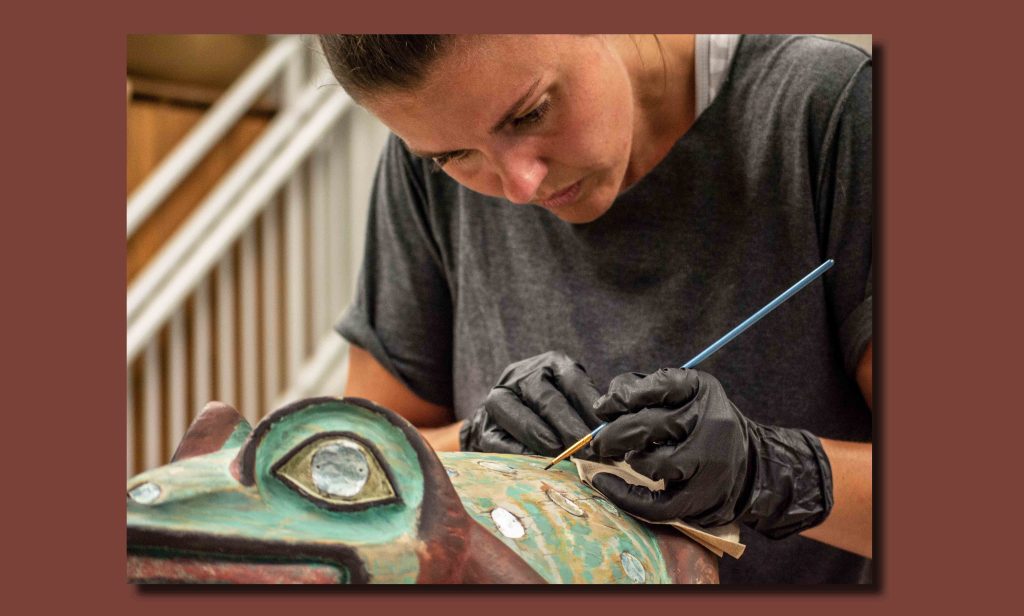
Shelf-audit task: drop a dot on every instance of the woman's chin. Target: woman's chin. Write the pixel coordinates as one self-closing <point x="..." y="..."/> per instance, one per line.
<point x="587" y="207"/>
<point x="579" y="213"/>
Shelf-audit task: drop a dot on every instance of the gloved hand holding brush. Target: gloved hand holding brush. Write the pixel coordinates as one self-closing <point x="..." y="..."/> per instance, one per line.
<point x="718" y="466"/>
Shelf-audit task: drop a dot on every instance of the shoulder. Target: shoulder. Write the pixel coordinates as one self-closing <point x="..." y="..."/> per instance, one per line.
<point x="802" y="56"/>
<point x="396" y="158"/>
<point x="799" y="83"/>
<point x="805" y="69"/>
<point x="400" y="169"/>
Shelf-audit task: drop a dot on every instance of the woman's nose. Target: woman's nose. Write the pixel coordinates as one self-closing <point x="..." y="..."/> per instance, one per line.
<point x="521" y="175"/>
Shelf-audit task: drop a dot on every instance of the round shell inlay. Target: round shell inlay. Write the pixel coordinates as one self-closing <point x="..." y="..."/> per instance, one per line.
<point x="340" y="469"/>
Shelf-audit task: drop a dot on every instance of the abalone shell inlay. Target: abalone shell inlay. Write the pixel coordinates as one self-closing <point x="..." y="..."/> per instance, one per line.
<point x="507" y="523"/>
<point x="145" y="493"/>
<point x="633" y="568"/>
<point x="340" y="469"/>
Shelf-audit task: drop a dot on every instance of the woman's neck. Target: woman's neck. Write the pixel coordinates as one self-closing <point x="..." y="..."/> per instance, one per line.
<point x="662" y="73"/>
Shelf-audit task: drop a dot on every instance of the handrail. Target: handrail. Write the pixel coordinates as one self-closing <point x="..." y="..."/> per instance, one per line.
<point x="217" y="121"/>
<point x="169" y="298"/>
<point x="220" y="200"/>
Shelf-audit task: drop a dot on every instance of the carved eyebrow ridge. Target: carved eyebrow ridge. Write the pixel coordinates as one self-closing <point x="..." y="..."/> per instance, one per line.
<point x="502" y="123"/>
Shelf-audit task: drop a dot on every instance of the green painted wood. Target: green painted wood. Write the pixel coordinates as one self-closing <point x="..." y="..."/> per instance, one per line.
<point x="570" y="533"/>
<point x="559" y="544"/>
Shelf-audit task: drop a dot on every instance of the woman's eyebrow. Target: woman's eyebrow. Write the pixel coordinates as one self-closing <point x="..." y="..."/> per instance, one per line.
<point x="425" y="155"/>
<point x="505" y="119"/>
<point x="514" y="108"/>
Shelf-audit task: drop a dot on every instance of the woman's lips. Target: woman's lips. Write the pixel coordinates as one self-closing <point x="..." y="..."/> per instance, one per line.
<point x="563" y="197"/>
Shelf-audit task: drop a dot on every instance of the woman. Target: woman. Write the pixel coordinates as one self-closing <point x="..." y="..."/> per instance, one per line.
<point x="619" y="202"/>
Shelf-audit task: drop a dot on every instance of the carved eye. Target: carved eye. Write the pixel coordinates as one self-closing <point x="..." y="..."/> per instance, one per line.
<point x="337" y="472"/>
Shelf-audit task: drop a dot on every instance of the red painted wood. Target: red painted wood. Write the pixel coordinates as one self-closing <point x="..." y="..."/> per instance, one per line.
<point x="147" y="569"/>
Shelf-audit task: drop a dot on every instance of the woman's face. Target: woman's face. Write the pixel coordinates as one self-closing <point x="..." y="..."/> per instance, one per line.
<point x="547" y="120"/>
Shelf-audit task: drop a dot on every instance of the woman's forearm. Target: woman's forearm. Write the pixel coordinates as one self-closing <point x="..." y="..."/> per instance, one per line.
<point x="849" y="525"/>
<point x="445" y="438"/>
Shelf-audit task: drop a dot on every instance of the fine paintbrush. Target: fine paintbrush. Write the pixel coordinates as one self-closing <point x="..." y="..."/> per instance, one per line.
<point x="736" y="331"/>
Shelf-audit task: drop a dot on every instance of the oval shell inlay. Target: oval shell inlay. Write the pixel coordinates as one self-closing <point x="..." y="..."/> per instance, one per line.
<point x="497" y="466"/>
<point x="633" y="567"/>
<point x="144" y="493"/>
<point x="610" y="508"/>
<point x="564" y="502"/>
<point x="507" y="523"/>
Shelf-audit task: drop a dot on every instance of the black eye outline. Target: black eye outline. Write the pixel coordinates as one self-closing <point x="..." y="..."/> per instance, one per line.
<point x="305" y="491"/>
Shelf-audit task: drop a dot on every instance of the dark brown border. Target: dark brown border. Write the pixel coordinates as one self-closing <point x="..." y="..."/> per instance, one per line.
<point x="948" y="227"/>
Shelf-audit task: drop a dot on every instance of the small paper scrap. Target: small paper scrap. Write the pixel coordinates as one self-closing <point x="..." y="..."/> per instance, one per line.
<point x="720" y="540"/>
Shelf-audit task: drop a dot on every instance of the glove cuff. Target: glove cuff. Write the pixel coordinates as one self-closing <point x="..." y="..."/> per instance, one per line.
<point x="792" y="489"/>
<point x="465" y="433"/>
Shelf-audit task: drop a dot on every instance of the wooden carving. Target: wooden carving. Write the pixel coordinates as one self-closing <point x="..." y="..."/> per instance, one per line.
<point x="332" y="490"/>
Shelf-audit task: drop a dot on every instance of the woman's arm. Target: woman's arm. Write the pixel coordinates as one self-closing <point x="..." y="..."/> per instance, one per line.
<point x="367" y="378"/>
<point x="849" y="525"/>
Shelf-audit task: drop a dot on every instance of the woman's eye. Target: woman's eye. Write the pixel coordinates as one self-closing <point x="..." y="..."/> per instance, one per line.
<point x="533" y="116"/>
<point x="441" y="161"/>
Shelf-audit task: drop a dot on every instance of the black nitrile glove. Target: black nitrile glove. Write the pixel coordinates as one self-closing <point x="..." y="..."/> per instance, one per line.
<point x="718" y="466"/>
<point x="541" y="405"/>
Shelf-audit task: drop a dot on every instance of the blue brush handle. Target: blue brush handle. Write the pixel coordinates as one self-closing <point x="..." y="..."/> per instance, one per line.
<point x="754" y="318"/>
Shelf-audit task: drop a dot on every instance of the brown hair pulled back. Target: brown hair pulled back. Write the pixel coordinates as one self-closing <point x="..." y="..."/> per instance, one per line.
<point x="366" y="64"/>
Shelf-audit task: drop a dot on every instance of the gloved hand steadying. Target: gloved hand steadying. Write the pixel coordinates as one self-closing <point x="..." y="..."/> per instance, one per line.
<point x="541" y="405"/>
<point x="718" y="466"/>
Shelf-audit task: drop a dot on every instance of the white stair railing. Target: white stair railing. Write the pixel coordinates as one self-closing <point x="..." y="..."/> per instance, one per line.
<point x="221" y="116"/>
<point x="239" y="304"/>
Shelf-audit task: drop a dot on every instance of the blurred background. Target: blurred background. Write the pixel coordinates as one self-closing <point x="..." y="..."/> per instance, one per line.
<point x="248" y="176"/>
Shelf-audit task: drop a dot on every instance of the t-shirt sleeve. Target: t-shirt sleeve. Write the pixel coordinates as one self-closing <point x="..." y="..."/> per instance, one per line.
<point x="846" y="198"/>
<point x="402" y="310"/>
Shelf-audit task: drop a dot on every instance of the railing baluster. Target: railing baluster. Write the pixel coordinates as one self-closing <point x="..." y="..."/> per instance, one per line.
<point x="360" y="174"/>
<point x="177" y="389"/>
<point x="202" y="374"/>
<point x="131" y="422"/>
<point x="295" y="337"/>
<point x="336" y="200"/>
<point x="250" y="400"/>
<point x="293" y="282"/>
<point x="152" y="406"/>
<point x="271" y="313"/>
<point x="226" y="330"/>
<point x="318" y="241"/>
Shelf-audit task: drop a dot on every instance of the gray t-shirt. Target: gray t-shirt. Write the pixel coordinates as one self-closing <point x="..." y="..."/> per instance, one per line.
<point x="774" y="177"/>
